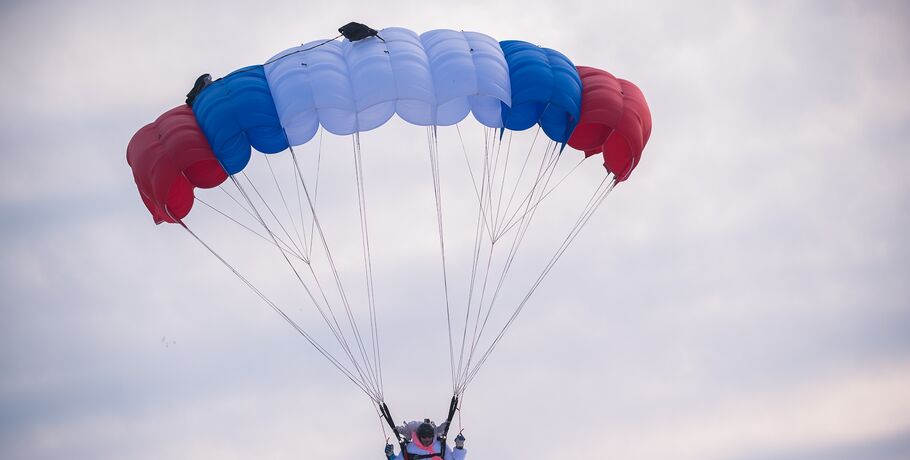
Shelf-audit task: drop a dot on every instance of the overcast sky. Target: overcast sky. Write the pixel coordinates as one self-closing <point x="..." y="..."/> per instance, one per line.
<point x="743" y="296"/>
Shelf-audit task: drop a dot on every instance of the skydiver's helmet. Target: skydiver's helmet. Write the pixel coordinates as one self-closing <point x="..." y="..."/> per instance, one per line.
<point x="410" y="429"/>
<point x="426" y="430"/>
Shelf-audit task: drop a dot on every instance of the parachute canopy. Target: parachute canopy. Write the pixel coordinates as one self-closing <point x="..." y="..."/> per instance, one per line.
<point x="433" y="79"/>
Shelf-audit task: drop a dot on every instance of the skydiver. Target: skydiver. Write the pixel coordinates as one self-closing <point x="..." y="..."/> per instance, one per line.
<point x="425" y="444"/>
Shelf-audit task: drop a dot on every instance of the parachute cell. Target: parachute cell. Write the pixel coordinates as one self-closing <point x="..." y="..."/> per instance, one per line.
<point x="237" y="112"/>
<point x="470" y="74"/>
<point x="546" y="89"/>
<point x="169" y="157"/>
<point x="615" y="121"/>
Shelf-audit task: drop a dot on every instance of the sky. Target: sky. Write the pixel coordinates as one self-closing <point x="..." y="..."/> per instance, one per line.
<point x="742" y="297"/>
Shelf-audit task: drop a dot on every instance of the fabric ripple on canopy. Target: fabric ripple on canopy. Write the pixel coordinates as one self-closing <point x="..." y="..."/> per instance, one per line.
<point x="615" y="121"/>
<point x="546" y="90"/>
<point x="169" y="158"/>
<point x="236" y="113"/>
<point x="433" y="79"/>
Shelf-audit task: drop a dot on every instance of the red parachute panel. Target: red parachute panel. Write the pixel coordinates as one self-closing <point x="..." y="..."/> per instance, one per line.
<point x="170" y="157"/>
<point x="615" y="120"/>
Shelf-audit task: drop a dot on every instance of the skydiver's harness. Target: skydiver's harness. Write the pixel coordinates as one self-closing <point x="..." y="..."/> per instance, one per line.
<point x="403" y="441"/>
<point x="422" y="456"/>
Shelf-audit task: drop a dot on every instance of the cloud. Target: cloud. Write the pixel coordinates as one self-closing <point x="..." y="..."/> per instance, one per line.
<point x="741" y="297"/>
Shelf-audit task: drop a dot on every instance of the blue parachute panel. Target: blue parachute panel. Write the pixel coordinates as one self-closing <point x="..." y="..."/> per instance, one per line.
<point x="546" y="90"/>
<point x="236" y="113"/>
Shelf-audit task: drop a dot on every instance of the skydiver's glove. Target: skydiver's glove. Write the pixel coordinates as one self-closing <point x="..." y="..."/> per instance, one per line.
<point x="389" y="451"/>
<point x="459" y="441"/>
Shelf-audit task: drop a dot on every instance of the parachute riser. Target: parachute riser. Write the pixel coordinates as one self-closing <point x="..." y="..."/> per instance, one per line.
<point x="453" y="406"/>
<point x="402" y="442"/>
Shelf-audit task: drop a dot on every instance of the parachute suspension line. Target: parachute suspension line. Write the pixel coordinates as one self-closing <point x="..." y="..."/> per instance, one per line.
<point x="482" y="222"/>
<point x="544" y="174"/>
<point x="478" y="240"/>
<point x="370" y="371"/>
<point x="299" y="175"/>
<point x="502" y="183"/>
<point x="213" y="208"/>
<point x="287" y="208"/>
<point x="483" y="181"/>
<point x="545" y="169"/>
<point x="315" y="187"/>
<point x="486" y="186"/>
<point x="520" y="175"/>
<point x="597" y="199"/>
<point x="470" y="301"/>
<point x="269" y="208"/>
<point x="305" y="245"/>
<point x="235" y="200"/>
<point x="478" y="328"/>
<point x="600" y="194"/>
<point x="491" y="163"/>
<point x="299" y="179"/>
<point x="433" y="151"/>
<point x="325" y="353"/>
<point x="246" y="210"/>
<point x="517" y="182"/>
<point x="519" y="237"/>
<point x="512" y="222"/>
<point x="338" y="284"/>
<point x="336" y="330"/>
<point x="493" y="157"/>
<point x="480" y="303"/>
<point x="367" y="261"/>
<point x="478" y="244"/>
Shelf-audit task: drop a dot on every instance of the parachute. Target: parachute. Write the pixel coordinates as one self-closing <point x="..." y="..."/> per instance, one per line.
<point x="345" y="88"/>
